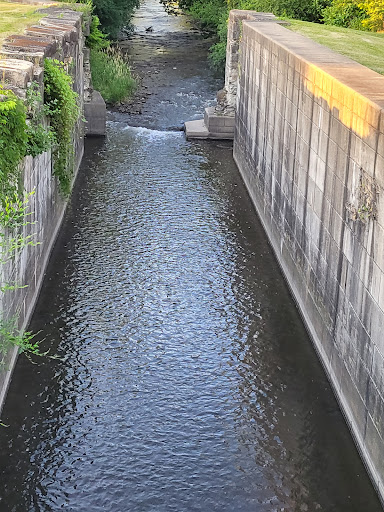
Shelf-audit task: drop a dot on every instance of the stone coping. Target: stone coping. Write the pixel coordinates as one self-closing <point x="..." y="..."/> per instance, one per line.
<point x="61" y="25"/>
<point x="324" y="61"/>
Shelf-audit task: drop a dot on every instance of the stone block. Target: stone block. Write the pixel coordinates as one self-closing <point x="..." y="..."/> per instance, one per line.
<point x="24" y="44"/>
<point x="16" y="72"/>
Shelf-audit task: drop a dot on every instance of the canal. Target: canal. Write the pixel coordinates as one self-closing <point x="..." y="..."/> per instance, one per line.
<point x="184" y="378"/>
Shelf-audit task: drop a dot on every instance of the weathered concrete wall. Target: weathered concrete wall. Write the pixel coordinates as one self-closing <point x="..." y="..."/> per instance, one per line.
<point x="60" y="36"/>
<point x="309" y="143"/>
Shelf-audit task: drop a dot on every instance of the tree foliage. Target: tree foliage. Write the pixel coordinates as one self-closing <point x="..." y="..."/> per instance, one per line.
<point x="114" y="14"/>
<point x="362" y="15"/>
<point x="374" y="14"/>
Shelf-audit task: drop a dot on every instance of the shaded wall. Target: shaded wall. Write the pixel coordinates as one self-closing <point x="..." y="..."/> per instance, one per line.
<point x="59" y="36"/>
<point x="309" y="143"/>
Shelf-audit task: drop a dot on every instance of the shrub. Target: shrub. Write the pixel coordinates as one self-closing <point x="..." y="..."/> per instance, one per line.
<point x="375" y="15"/>
<point x="114" y="14"/>
<point x="344" y="13"/>
<point x="218" y="51"/>
<point x="305" y="10"/>
<point x="209" y="12"/>
<point x="96" y="39"/>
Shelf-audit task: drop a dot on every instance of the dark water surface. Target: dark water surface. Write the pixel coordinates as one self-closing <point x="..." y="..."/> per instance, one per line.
<point x="187" y="380"/>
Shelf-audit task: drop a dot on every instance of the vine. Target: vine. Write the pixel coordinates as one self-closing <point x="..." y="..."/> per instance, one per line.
<point x="61" y="106"/>
<point x="13" y="141"/>
<point x="13" y="217"/>
<point x="21" y="134"/>
<point x="40" y="138"/>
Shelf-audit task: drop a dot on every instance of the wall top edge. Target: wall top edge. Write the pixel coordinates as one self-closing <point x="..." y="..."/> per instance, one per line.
<point x="21" y="55"/>
<point x="320" y="59"/>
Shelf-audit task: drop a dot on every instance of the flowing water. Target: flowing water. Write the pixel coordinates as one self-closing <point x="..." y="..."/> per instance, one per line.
<point x="186" y="380"/>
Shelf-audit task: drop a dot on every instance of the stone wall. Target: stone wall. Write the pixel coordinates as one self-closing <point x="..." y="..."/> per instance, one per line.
<point x="309" y="143"/>
<point x="60" y="35"/>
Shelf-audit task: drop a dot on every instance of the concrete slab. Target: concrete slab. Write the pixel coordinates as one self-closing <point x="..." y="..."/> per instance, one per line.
<point x="196" y="130"/>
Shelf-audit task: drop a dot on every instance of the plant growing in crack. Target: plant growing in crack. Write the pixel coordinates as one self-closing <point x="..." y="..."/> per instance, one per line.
<point x="363" y="205"/>
<point x="13" y="218"/>
<point x="19" y="137"/>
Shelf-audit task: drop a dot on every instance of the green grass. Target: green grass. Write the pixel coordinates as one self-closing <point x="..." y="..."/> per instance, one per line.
<point x="14" y="18"/>
<point x="111" y="75"/>
<point x="367" y="48"/>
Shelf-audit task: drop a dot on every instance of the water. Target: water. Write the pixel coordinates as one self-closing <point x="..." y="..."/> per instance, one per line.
<point x="186" y="380"/>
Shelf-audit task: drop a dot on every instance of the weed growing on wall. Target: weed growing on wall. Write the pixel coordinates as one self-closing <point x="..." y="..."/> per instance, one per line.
<point x="20" y="134"/>
<point x="13" y="217"/>
<point x="61" y="106"/>
<point x="10" y="337"/>
<point x="40" y="137"/>
<point x="13" y="141"/>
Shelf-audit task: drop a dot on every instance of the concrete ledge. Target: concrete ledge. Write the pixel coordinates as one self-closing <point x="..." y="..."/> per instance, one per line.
<point x="213" y="126"/>
<point x="196" y="130"/>
<point x="95" y="113"/>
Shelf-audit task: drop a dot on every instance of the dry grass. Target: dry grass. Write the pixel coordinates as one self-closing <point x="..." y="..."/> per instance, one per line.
<point x="367" y="48"/>
<point x="14" y="18"/>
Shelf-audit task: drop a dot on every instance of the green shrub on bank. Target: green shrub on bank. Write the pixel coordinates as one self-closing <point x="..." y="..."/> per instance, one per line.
<point x="213" y="16"/>
<point x="305" y="10"/>
<point x="112" y="14"/>
<point x="111" y="75"/>
<point x="357" y="14"/>
<point x="344" y="13"/>
<point x="96" y="39"/>
<point x="375" y="15"/>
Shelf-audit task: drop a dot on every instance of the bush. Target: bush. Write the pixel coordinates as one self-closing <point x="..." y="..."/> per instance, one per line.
<point x="305" y="10"/>
<point x="213" y="15"/>
<point x="345" y="13"/>
<point x="114" y="14"/>
<point x="111" y="75"/>
<point x="209" y="13"/>
<point x="96" y="39"/>
<point x="375" y="15"/>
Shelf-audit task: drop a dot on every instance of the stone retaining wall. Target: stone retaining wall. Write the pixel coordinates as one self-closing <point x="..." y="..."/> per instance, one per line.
<point x="60" y="35"/>
<point x="309" y="143"/>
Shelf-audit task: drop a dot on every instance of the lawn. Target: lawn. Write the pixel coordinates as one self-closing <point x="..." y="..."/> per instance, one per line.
<point x="364" y="47"/>
<point x="15" y="17"/>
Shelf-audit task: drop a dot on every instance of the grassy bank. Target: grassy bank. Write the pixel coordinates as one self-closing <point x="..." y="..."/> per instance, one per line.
<point x="367" y="48"/>
<point x="111" y="75"/>
<point x="14" y="18"/>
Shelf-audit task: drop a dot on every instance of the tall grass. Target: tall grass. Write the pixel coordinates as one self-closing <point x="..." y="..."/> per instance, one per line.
<point x="111" y="75"/>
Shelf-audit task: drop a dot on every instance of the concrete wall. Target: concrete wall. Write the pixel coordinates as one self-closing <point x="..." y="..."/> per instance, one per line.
<point x="60" y="36"/>
<point x="309" y="143"/>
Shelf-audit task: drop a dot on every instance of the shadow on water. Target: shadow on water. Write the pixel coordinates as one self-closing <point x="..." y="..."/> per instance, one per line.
<point x="186" y="380"/>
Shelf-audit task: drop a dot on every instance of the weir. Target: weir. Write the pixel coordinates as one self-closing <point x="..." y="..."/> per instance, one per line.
<point x="184" y="378"/>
